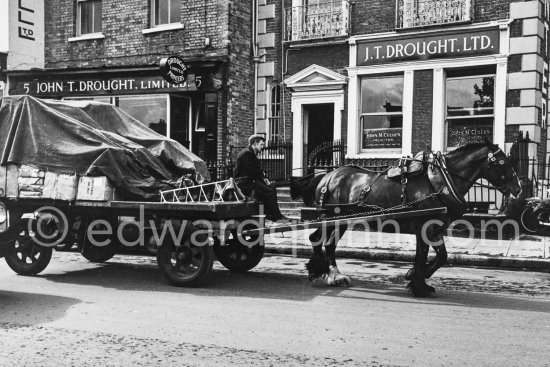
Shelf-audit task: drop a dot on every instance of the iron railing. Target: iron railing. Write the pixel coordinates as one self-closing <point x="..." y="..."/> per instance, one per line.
<point x="276" y="160"/>
<point x="331" y="19"/>
<point x="422" y="13"/>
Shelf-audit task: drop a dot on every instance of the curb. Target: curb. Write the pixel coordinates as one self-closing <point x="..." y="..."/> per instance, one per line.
<point x="408" y="256"/>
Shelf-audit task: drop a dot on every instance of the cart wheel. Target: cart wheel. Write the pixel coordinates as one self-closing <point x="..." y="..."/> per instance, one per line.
<point x="28" y="258"/>
<point x="185" y="265"/>
<point x="91" y="252"/>
<point x="239" y="254"/>
<point x="530" y="220"/>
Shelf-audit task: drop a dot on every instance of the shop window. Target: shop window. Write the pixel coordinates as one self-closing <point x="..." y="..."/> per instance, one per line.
<point x="89" y="16"/>
<point x="150" y="110"/>
<point x="165" y="12"/>
<point x="382" y="113"/>
<point x="275" y="114"/>
<point x="470" y="109"/>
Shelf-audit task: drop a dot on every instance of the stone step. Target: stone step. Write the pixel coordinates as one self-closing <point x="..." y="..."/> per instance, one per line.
<point x="290" y="204"/>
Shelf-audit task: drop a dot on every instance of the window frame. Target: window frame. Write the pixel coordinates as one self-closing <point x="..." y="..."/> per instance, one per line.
<point x="79" y="18"/>
<point x="168" y="24"/>
<point x="467" y="117"/>
<point x="274" y="119"/>
<point x="363" y="115"/>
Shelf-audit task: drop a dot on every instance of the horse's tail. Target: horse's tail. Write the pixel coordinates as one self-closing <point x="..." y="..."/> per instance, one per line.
<point x="305" y="188"/>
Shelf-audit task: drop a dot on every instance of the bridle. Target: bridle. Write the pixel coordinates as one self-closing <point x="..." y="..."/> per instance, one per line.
<point x="492" y="159"/>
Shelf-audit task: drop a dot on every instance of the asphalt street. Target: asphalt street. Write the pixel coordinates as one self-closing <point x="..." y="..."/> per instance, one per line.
<point x="123" y="313"/>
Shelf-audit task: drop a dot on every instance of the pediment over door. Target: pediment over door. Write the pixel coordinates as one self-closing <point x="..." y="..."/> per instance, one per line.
<point x="315" y="77"/>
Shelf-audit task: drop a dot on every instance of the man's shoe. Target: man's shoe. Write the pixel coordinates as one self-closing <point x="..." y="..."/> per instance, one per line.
<point x="279" y="222"/>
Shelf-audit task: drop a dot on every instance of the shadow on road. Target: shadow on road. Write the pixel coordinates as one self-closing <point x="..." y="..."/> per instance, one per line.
<point x="32" y="308"/>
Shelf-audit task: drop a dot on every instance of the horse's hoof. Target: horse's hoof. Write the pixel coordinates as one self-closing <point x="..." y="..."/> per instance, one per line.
<point x="421" y="292"/>
<point x="342" y="281"/>
<point x="318" y="281"/>
<point x="409" y="274"/>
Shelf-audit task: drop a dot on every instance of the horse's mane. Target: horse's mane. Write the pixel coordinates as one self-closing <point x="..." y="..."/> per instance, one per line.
<point x="470" y="146"/>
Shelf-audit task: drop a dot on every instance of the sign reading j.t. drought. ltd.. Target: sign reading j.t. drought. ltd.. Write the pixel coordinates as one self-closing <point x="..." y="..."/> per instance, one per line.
<point x="479" y="42"/>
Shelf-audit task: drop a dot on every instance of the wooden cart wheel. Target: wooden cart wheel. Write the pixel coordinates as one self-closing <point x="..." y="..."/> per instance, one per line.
<point x="91" y="252"/>
<point x="185" y="264"/>
<point x="239" y="253"/>
<point x="28" y="258"/>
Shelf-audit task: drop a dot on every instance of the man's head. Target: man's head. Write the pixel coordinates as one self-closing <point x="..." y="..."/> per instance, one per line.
<point x="257" y="142"/>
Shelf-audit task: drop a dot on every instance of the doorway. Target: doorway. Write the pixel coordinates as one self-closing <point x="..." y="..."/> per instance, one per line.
<point x="318" y="127"/>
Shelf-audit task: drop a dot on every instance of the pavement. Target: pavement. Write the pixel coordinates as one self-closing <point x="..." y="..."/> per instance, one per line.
<point x="519" y="251"/>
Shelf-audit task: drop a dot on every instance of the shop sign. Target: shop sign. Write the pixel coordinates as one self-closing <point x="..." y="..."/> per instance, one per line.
<point x="173" y="69"/>
<point x="382" y="138"/>
<point x="462" y="135"/>
<point x="25" y="34"/>
<point x="46" y="87"/>
<point x="475" y="43"/>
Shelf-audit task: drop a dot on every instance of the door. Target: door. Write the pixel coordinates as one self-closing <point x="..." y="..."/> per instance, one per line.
<point x="319" y="131"/>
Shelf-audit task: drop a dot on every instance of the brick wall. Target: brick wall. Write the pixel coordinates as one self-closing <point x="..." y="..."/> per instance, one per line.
<point x="240" y="85"/>
<point x="422" y="116"/>
<point x="228" y="25"/>
<point x="125" y="44"/>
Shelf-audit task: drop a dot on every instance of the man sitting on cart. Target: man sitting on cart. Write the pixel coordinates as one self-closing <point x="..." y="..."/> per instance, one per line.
<point x="250" y="177"/>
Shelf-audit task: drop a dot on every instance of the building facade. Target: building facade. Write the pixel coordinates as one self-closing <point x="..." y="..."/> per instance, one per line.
<point x="109" y="51"/>
<point x="392" y="78"/>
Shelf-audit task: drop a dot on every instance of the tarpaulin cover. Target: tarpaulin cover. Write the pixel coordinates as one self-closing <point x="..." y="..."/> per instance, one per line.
<point x="94" y="139"/>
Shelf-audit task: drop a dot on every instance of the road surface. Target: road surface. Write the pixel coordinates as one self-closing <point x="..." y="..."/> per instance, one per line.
<point x="123" y="313"/>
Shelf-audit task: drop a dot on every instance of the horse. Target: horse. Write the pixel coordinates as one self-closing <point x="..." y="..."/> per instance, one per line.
<point x="440" y="180"/>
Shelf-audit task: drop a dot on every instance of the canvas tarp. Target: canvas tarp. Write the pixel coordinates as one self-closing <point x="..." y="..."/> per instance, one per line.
<point x="94" y="139"/>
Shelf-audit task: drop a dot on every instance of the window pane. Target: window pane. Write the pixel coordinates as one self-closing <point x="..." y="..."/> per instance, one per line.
<point x="175" y="12"/>
<point x="161" y="11"/>
<point x="470" y="96"/>
<point x="86" y="18"/>
<point x="382" y="131"/>
<point x="382" y="94"/>
<point x="150" y="110"/>
<point x="463" y="131"/>
<point x="97" y="16"/>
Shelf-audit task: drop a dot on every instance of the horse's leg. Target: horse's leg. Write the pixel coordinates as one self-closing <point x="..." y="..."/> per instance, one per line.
<point x="439" y="261"/>
<point x="335" y="277"/>
<point x="417" y="275"/>
<point x="318" y="265"/>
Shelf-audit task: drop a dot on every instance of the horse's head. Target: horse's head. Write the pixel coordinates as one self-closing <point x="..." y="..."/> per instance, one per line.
<point x="498" y="170"/>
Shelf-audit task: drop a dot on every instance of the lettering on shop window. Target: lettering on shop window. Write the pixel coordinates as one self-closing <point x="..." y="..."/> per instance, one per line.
<point x="418" y="48"/>
<point x="382" y="138"/>
<point x="461" y="135"/>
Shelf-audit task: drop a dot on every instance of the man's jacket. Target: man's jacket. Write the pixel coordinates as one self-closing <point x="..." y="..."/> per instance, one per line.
<point x="247" y="170"/>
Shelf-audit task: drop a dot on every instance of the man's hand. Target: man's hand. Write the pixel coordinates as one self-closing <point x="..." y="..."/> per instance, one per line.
<point x="267" y="182"/>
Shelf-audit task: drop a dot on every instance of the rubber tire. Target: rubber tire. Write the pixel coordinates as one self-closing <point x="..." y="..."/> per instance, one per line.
<point x="37" y="265"/>
<point x="237" y="257"/>
<point x="92" y="253"/>
<point x="97" y="254"/>
<point x="529" y="220"/>
<point x="168" y="252"/>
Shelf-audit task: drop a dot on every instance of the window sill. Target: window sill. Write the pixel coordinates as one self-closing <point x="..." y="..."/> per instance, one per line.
<point x="376" y="154"/>
<point x="162" y="28"/>
<point x="86" y="37"/>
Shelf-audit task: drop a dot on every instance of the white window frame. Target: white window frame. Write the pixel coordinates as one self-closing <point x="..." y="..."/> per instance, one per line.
<point x="361" y="115"/>
<point x="271" y="118"/>
<point x="457" y="118"/>
<point x="154" y="15"/>
<point x="79" y="20"/>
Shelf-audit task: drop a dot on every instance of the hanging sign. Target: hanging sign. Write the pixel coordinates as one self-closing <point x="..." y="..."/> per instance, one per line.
<point x="173" y="69"/>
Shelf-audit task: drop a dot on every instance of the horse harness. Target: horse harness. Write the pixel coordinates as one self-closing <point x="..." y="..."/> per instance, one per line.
<point x="410" y="167"/>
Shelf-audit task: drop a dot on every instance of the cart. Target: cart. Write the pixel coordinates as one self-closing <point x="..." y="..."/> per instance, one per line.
<point x="191" y="226"/>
